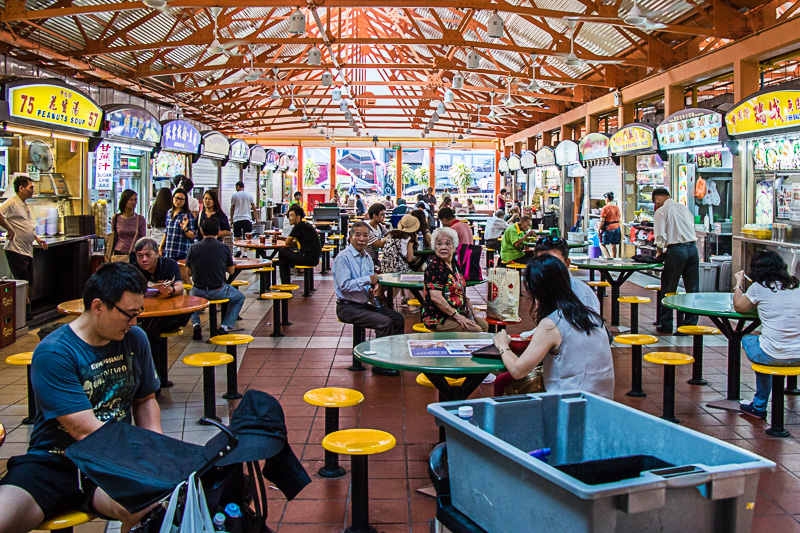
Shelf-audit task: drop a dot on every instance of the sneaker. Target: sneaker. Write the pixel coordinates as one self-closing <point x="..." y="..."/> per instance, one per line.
<point x="222" y="331"/>
<point x="197" y="333"/>
<point x="750" y="409"/>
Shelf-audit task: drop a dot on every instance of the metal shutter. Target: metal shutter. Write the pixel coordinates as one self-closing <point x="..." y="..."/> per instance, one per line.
<point x="605" y="178"/>
<point x="205" y="173"/>
<point x="250" y="179"/>
<point x="231" y="173"/>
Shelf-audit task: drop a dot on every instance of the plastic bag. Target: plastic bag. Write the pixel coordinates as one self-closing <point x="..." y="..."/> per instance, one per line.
<point x="195" y="518"/>
<point x="502" y="302"/>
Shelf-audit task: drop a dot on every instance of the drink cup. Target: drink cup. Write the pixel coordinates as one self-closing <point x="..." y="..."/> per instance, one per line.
<point x="541" y="227"/>
<point x="263" y="239"/>
<point x="248" y="236"/>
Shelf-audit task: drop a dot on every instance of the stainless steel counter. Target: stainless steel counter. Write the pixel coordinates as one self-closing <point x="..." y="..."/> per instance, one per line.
<point x="767" y="242"/>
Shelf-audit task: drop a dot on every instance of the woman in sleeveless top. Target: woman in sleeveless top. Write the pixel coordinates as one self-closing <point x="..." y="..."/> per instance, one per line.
<point x="569" y="339"/>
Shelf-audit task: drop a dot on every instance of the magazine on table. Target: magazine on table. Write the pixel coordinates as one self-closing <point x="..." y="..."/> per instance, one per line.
<point x="412" y="278"/>
<point x="446" y="348"/>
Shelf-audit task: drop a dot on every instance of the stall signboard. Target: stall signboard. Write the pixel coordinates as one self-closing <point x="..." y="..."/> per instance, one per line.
<point x="216" y="145"/>
<point x="567" y="153"/>
<point x="180" y="136"/>
<point x="53" y="104"/>
<point x="595" y="146"/>
<point x="239" y="151"/>
<point x="272" y="159"/>
<point x="294" y="163"/>
<point x="258" y="155"/>
<point x="514" y="163"/>
<point x="283" y="161"/>
<point x="104" y="167"/>
<point x="765" y="112"/>
<point x="780" y="154"/>
<point x="132" y="122"/>
<point x="527" y="159"/>
<point x="709" y="159"/>
<point x="545" y="157"/>
<point x="633" y="138"/>
<point x="688" y="128"/>
<point x="502" y="165"/>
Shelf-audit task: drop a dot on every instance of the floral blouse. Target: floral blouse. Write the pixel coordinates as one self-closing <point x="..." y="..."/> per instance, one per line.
<point x="452" y="285"/>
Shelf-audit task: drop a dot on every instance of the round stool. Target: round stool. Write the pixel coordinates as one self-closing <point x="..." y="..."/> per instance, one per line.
<point x="263" y="282"/>
<point x="517" y="266"/>
<point x="776" y="428"/>
<point x="239" y="283"/>
<point x="669" y="360"/>
<point x="285" y="287"/>
<point x="599" y="288"/>
<point x="336" y="243"/>
<point x="498" y="325"/>
<point x="359" y="444"/>
<point x="162" y="359"/>
<point x="231" y="341"/>
<point x="420" y="327"/>
<point x="326" y="259"/>
<point x="634" y="301"/>
<point x="208" y="360"/>
<point x="65" y="522"/>
<point x="636" y="342"/>
<point x="415" y="302"/>
<point x="423" y="380"/>
<point x="25" y="358"/>
<point x="212" y="315"/>
<point x="276" y="309"/>
<point x="308" y="279"/>
<point x="657" y="289"/>
<point x="187" y="287"/>
<point x="332" y="398"/>
<point x="697" y="333"/>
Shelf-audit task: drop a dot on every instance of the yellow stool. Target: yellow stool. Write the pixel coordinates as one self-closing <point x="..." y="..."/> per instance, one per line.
<point x="25" y="358"/>
<point x="332" y="398"/>
<point x="669" y="360"/>
<point x="2" y="434"/>
<point x="279" y="298"/>
<point x="599" y="288"/>
<point x="212" y="315"/>
<point x="208" y="360"/>
<point x="776" y="428"/>
<point x="239" y="283"/>
<point x="285" y="287"/>
<point x="421" y="328"/>
<point x="697" y="333"/>
<point x="337" y="243"/>
<point x="262" y="278"/>
<point x="634" y="301"/>
<point x="480" y="307"/>
<point x="308" y="279"/>
<point x="65" y="522"/>
<point x="573" y="268"/>
<point x="414" y="301"/>
<point x="518" y="266"/>
<point x="231" y="341"/>
<point x="326" y="258"/>
<point x="490" y="257"/>
<point x="423" y="380"/>
<point x="636" y="342"/>
<point x="359" y="444"/>
<point x="187" y="286"/>
<point x="162" y="357"/>
<point x="657" y="288"/>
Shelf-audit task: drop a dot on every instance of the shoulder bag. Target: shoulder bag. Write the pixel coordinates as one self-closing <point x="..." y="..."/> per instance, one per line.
<point x="111" y="257"/>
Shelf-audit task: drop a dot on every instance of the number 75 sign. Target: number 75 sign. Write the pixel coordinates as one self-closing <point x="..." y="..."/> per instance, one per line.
<point x="52" y="104"/>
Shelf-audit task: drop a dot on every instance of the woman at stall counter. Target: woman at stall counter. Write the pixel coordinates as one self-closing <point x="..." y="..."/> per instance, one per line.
<point x="446" y="306"/>
<point x="776" y="296"/>
<point x="126" y="225"/>
<point x="213" y="209"/>
<point x="181" y="228"/>
<point x="569" y="337"/>
<point x="158" y="214"/>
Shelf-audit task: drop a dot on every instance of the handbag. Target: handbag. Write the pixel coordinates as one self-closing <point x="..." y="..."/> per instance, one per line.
<point x="502" y="302"/>
<point x="111" y="257"/>
<point x="468" y="259"/>
<point x="195" y="517"/>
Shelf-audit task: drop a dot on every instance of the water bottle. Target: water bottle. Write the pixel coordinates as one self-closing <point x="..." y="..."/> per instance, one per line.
<point x="378" y="304"/>
<point x="540" y="454"/>
<point x="465" y="412"/>
<point x="234" y="518"/>
<point x="219" y="522"/>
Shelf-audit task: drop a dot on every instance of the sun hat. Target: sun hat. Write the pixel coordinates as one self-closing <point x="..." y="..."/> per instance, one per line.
<point x="408" y="223"/>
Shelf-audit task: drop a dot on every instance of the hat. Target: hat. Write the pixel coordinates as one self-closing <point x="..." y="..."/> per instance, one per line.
<point x="408" y="223"/>
<point x="259" y="423"/>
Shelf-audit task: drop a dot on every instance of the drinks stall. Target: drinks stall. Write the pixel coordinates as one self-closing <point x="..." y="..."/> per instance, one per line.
<point x="547" y="181"/>
<point x="602" y="176"/>
<point x="572" y="174"/>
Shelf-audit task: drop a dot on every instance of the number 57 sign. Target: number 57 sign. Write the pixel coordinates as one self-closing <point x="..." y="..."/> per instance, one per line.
<point x="54" y="104"/>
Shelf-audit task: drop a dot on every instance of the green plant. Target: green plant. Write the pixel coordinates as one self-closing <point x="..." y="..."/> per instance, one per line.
<point x="462" y="175"/>
<point x="422" y="177"/>
<point x="310" y="172"/>
<point x="407" y="172"/>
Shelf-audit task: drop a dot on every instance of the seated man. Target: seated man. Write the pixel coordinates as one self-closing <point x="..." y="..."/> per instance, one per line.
<point x="495" y="227"/>
<point x="302" y="245"/>
<point x="356" y="284"/>
<point x="448" y="219"/>
<point x="95" y="369"/>
<point x="558" y="248"/>
<point x="164" y="275"/>
<point x="511" y="248"/>
<point x="209" y="262"/>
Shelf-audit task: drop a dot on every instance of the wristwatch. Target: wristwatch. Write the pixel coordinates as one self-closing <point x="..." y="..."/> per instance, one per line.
<point x="738" y="287"/>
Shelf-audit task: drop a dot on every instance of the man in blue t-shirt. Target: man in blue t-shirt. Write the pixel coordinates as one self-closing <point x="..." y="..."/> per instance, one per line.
<point x="95" y="369"/>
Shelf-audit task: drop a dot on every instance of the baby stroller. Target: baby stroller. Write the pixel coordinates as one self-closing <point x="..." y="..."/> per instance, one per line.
<point x="138" y="468"/>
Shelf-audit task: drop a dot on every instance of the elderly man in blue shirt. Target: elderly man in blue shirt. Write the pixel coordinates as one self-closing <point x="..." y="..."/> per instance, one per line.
<point x="355" y="284"/>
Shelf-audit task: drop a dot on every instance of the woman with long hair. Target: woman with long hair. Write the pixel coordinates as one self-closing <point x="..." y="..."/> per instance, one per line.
<point x="569" y="337"/>
<point x="424" y="229"/>
<point x="158" y="213"/>
<point x="775" y="294"/>
<point x="181" y="227"/>
<point x="212" y="209"/>
<point x="127" y="226"/>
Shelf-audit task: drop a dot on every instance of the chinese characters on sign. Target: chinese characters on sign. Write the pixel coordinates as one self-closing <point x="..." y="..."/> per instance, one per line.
<point x="52" y="104"/>
<point x="180" y="136"/>
<point x="631" y="139"/>
<point x="763" y="112"/>
<point x="134" y="124"/>
<point x="104" y="167"/>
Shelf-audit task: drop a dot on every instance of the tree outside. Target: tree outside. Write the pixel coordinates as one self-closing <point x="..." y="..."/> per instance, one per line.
<point x="461" y="175"/>
<point x="310" y="172"/>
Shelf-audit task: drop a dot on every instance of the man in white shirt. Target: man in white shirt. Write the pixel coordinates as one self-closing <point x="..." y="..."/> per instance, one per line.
<point x="495" y="227"/>
<point x="675" y="240"/>
<point x="242" y="206"/>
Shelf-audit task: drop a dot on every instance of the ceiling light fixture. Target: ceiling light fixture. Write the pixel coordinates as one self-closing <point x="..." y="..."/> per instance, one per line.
<point x="441" y="109"/>
<point x="449" y="96"/>
<point x="327" y="79"/>
<point x="494" y="26"/>
<point x="336" y="94"/>
<point x="314" y="56"/>
<point x="292" y="107"/>
<point x="343" y="106"/>
<point x="458" y="81"/>
<point x="473" y="59"/>
<point x="297" y="22"/>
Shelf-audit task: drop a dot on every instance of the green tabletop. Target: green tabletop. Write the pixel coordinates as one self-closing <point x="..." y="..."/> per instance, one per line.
<point x="476" y="218"/>
<point x="392" y="352"/>
<point x="605" y="264"/>
<point x="424" y="251"/>
<point x="570" y="245"/>
<point x="393" y="280"/>
<point x="707" y="303"/>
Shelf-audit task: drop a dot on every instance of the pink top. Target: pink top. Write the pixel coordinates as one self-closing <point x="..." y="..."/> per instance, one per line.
<point x="126" y="230"/>
<point x="464" y="232"/>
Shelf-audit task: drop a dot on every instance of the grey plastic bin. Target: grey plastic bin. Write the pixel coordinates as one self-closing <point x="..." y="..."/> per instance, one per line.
<point x="493" y="480"/>
<point x="708" y="277"/>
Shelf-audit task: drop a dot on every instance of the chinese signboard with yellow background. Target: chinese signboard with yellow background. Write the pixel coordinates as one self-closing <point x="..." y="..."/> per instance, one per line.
<point x="632" y="138"/>
<point x="765" y="112"/>
<point x="54" y="105"/>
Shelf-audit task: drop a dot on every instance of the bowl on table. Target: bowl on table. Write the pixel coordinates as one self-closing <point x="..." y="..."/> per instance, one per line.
<point x="518" y="344"/>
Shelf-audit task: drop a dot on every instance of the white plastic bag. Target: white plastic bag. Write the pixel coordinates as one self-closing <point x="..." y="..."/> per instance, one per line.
<point x="195" y="518"/>
<point x="502" y="301"/>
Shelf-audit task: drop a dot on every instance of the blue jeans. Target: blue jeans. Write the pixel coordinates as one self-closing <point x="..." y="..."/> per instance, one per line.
<point x="752" y="348"/>
<point x="234" y="306"/>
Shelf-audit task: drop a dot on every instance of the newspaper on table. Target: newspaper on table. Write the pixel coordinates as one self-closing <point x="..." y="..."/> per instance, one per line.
<point x="412" y="278"/>
<point x="446" y="348"/>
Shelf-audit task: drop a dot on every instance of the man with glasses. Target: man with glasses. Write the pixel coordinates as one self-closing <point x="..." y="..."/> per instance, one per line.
<point x="16" y="218"/>
<point x="95" y="369"/>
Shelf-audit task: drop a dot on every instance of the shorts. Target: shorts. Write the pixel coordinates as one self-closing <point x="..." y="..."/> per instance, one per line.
<point x="240" y="227"/>
<point x="612" y="236"/>
<point x="21" y="266"/>
<point x="53" y="483"/>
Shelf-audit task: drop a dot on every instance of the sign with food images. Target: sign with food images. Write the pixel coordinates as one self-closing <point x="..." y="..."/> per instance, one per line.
<point x="56" y="105"/>
<point x="133" y="123"/>
<point x="632" y="138"/>
<point x="765" y="112"/>
<point x="595" y="146"/>
<point x="545" y="157"/>
<point x="776" y="155"/>
<point x="688" y="128"/>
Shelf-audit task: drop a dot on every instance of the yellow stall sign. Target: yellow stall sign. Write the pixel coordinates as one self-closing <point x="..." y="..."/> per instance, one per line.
<point x="54" y="105"/>
<point x="772" y="110"/>
<point x="632" y="138"/>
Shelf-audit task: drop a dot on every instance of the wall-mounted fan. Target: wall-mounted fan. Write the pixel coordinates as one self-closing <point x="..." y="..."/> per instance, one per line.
<point x="41" y="155"/>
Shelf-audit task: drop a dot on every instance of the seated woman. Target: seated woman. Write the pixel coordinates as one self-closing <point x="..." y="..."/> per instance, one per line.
<point x="398" y="251"/>
<point x="569" y="337"/>
<point x="424" y="228"/>
<point x="446" y="306"/>
<point x="775" y="294"/>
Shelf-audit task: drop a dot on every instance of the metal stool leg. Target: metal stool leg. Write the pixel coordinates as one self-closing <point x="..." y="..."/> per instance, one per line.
<point x="212" y="319"/>
<point x="285" y="312"/>
<point x="601" y="295"/>
<point x="276" y="319"/>
<point x="636" y="373"/>
<point x="697" y="366"/>
<point x="306" y="282"/>
<point x="262" y="282"/>
<point x="669" y="394"/>
<point x="32" y="409"/>
<point x="311" y="282"/>
<point x="791" y="386"/>
<point x="634" y="319"/>
<point x="776" y="428"/>
<point x="658" y="308"/>
<point x="331" y="468"/>
<point x="209" y="397"/>
<point x="233" y="386"/>
<point x="360" y="497"/>
<point x="489" y="259"/>
<point x="359" y="336"/>
<point x="162" y="363"/>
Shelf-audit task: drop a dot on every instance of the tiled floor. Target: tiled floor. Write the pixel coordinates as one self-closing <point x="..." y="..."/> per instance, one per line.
<point x="317" y="351"/>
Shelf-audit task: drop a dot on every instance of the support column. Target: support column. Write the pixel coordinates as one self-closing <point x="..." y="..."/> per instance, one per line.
<point x="592" y="124"/>
<point x="498" y="179"/>
<point x="300" y="170"/>
<point x="624" y="114"/>
<point x="531" y="144"/>
<point x="566" y="132"/>
<point x="674" y="99"/>
<point x="398" y="178"/>
<point x="547" y="138"/>
<point x="432" y="169"/>
<point x="332" y="169"/>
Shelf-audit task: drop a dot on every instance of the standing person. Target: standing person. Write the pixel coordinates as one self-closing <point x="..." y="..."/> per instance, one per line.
<point x="181" y="228"/>
<point x="361" y="207"/>
<point x="209" y="263"/>
<point x="446" y="202"/>
<point x="158" y="213"/>
<point x="501" y="199"/>
<point x="387" y="203"/>
<point x="15" y="217"/>
<point x="495" y="227"/>
<point x="426" y="207"/>
<point x="126" y="226"/>
<point x="95" y="369"/>
<point x="609" y="225"/>
<point x="776" y="296"/>
<point x="377" y="232"/>
<point x="511" y="249"/>
<point x="212" y="209"/>
<point x="191" y="202"/>
<point x="298" y="199"/>
<point x="301" y="246"/>
<point x="448" y="219"/>
<point x="430" y="199"/>
<point x="356" y="287"/>
<point x="335" y="198"/>
<point x="676" y="242"/>
<point x="243" y="205"/>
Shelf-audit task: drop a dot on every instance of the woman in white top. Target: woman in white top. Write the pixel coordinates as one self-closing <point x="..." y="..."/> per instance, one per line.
<point x="775" y="294"/>
<point x="398" y="250"/>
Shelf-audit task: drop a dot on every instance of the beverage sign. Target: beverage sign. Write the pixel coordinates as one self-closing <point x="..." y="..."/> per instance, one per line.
<point x="133" y="123"/>
<point x="690" y="127"/>
<point x="595" y="146"/>
<point x="104" y="167"/>
<point x="632" y="138"/>
<point x="180" y="136"/>
<point x="765" y="111"/>
<point x="258" y="155"/>
<point x="216" y="145"/>
<point x="240" y="152"/>
<point x="545" y="156"/>
<point x="54" y="104"/>
<point x="567" y="153"/>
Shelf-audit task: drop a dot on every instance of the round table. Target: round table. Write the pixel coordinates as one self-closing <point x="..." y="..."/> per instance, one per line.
<point x="393" y="280"/>
<point x="606" y="267"/>
<point x="256" y="245"/>
<point x="718" y="306"/>
<point x="241" y="263"/>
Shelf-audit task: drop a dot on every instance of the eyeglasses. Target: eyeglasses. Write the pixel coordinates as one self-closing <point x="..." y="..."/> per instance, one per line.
<point x="181" y="198"/>
<point x="130" y="317"/>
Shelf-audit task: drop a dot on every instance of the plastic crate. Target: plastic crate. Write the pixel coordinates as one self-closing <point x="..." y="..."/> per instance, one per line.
<point x="710" y="487"/>
<point x="709" y="273"/>
<point x="724" y="280"/>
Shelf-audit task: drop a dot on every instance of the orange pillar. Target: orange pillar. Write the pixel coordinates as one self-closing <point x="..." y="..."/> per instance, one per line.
<point x="332" y="169"/>
<point x="299" y="177"/>
<point x="398" y="181"/>
<point x="498" y="179"/>
<point x="432" y="168"/>
<point x="547" y="138"/>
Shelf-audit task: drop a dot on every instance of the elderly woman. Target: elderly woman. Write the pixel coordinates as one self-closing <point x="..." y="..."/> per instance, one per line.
<point x="446" y="306"/>
<point x="776" y="296"/>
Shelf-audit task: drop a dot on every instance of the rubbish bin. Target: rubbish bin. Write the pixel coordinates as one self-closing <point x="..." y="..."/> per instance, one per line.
<point x="612" y="468"/>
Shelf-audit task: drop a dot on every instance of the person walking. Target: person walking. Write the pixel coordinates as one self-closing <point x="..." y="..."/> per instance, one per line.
<point x="127" y="227"/>
<point x="609" y="225"/>
<point x="181" y="228"/>
<point x="675" y="241"/>
<point x="158" y="214"/>
<point x="243" y="205"/>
